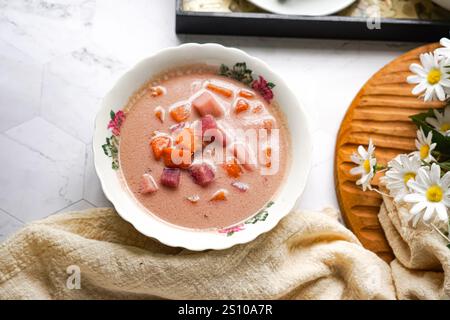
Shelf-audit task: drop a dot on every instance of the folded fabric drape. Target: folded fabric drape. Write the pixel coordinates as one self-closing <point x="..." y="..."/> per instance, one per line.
<point x="421" y="269"/>
<point x="309" y="255"/>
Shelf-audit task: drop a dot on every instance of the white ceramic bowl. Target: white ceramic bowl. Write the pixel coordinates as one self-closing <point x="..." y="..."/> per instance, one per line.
<point x="152" y="226"/>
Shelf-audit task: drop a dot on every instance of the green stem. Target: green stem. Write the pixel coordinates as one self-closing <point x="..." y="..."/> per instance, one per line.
<point x="440" y="156"/>
<point x="440" y="233"/>
<point x="380" y="192"/>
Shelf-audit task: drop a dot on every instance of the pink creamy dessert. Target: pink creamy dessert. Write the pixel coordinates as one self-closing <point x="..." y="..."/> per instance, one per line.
<point x="185" y="158"/>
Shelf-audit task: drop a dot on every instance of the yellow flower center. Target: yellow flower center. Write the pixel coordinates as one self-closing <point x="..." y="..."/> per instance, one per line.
<point x="445" y="127"/>
<point x="408" y="176"/>
<point x="366" y="165"/>
<point x="424" y="151"/>
<point x="435" y="193"/>
<point x="434" y="76"/>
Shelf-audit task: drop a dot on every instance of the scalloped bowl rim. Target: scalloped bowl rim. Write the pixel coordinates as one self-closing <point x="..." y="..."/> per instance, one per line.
<point x="147" y="223"/>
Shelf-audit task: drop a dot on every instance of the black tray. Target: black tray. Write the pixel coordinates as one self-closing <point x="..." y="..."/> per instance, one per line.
<point x="331" y="27"/>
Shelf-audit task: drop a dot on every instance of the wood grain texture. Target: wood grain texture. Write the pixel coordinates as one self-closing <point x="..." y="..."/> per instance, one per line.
<point x="380" y="111"/>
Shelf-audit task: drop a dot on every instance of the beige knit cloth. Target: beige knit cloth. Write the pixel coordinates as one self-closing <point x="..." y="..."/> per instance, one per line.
<point x="309" y="255"/>
<point x="421" y="269"/>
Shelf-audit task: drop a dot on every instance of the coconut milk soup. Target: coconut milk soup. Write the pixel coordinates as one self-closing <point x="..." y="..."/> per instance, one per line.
<point x="201" y="150"/>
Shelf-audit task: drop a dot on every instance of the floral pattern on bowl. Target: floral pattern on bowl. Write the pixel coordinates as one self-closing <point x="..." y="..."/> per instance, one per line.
<point x="107" y="141"/>
<point x="260" y="216"/>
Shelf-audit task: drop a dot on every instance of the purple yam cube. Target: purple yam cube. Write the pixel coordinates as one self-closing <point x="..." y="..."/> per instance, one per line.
<point x="202" y="173"/>
<point x="171" y="177"/>
<point x="210" y="130"/>
<point x="208" y="123"/>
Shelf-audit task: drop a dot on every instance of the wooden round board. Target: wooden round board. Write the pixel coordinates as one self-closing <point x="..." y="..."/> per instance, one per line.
<point x="380" y="111"/>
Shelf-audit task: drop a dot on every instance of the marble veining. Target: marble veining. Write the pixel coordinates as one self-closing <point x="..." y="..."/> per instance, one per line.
<point x="73" y="85"/>
<point x="19" y="73"/>
<point x="46" y="28"/>
<point x="42" y="170"/>
<point x="8" y="224"/>
<point x="92" y="191"/>
<point x="77" y="206"/>
<point x="59" y="57"/>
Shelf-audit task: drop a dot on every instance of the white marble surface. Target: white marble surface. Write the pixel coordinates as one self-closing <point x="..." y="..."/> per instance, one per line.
<point x="58" y="57"/>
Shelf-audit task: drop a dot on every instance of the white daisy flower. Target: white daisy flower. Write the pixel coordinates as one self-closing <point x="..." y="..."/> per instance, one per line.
<point x="441" y="122"/>
<point x="366" y="164"/>
<point x="445" y="51"/>
<point x="431" y="77"/>
<point x="401" y="170"/>
<point x="431" y="195"/>
<point x="424" y="146"/>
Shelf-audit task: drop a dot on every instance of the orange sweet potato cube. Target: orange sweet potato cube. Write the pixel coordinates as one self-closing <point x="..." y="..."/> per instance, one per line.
<point x="220" y="90"/>
<point x="180" y="113"/>
<point x="158" y="144"/>
<point x="241" y="106"/>
<point x="183" y="159"/>
<point x="233" y="169"/>
<point x="186" y="139"/>
<point x="246" y="94"/>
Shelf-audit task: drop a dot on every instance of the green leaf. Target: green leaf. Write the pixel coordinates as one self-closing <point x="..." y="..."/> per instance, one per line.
<point x="258" y="217"/>
<point x="115" y="164"/>
<point x="239" y="72"/>
<point x="442" y="142"/>
<point x="263" y="216"/>
<point x="271" y="85"/>
<point x="223" y="70"/>
<point x="105" y="149"/>
<point x="229" y="234"/>
<point x="112" y="114"/>
<point x="241" y="68"/>
<point x="110" y="148"/>
<point x="445" y="166"/>
<point x="448" y="245"/>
